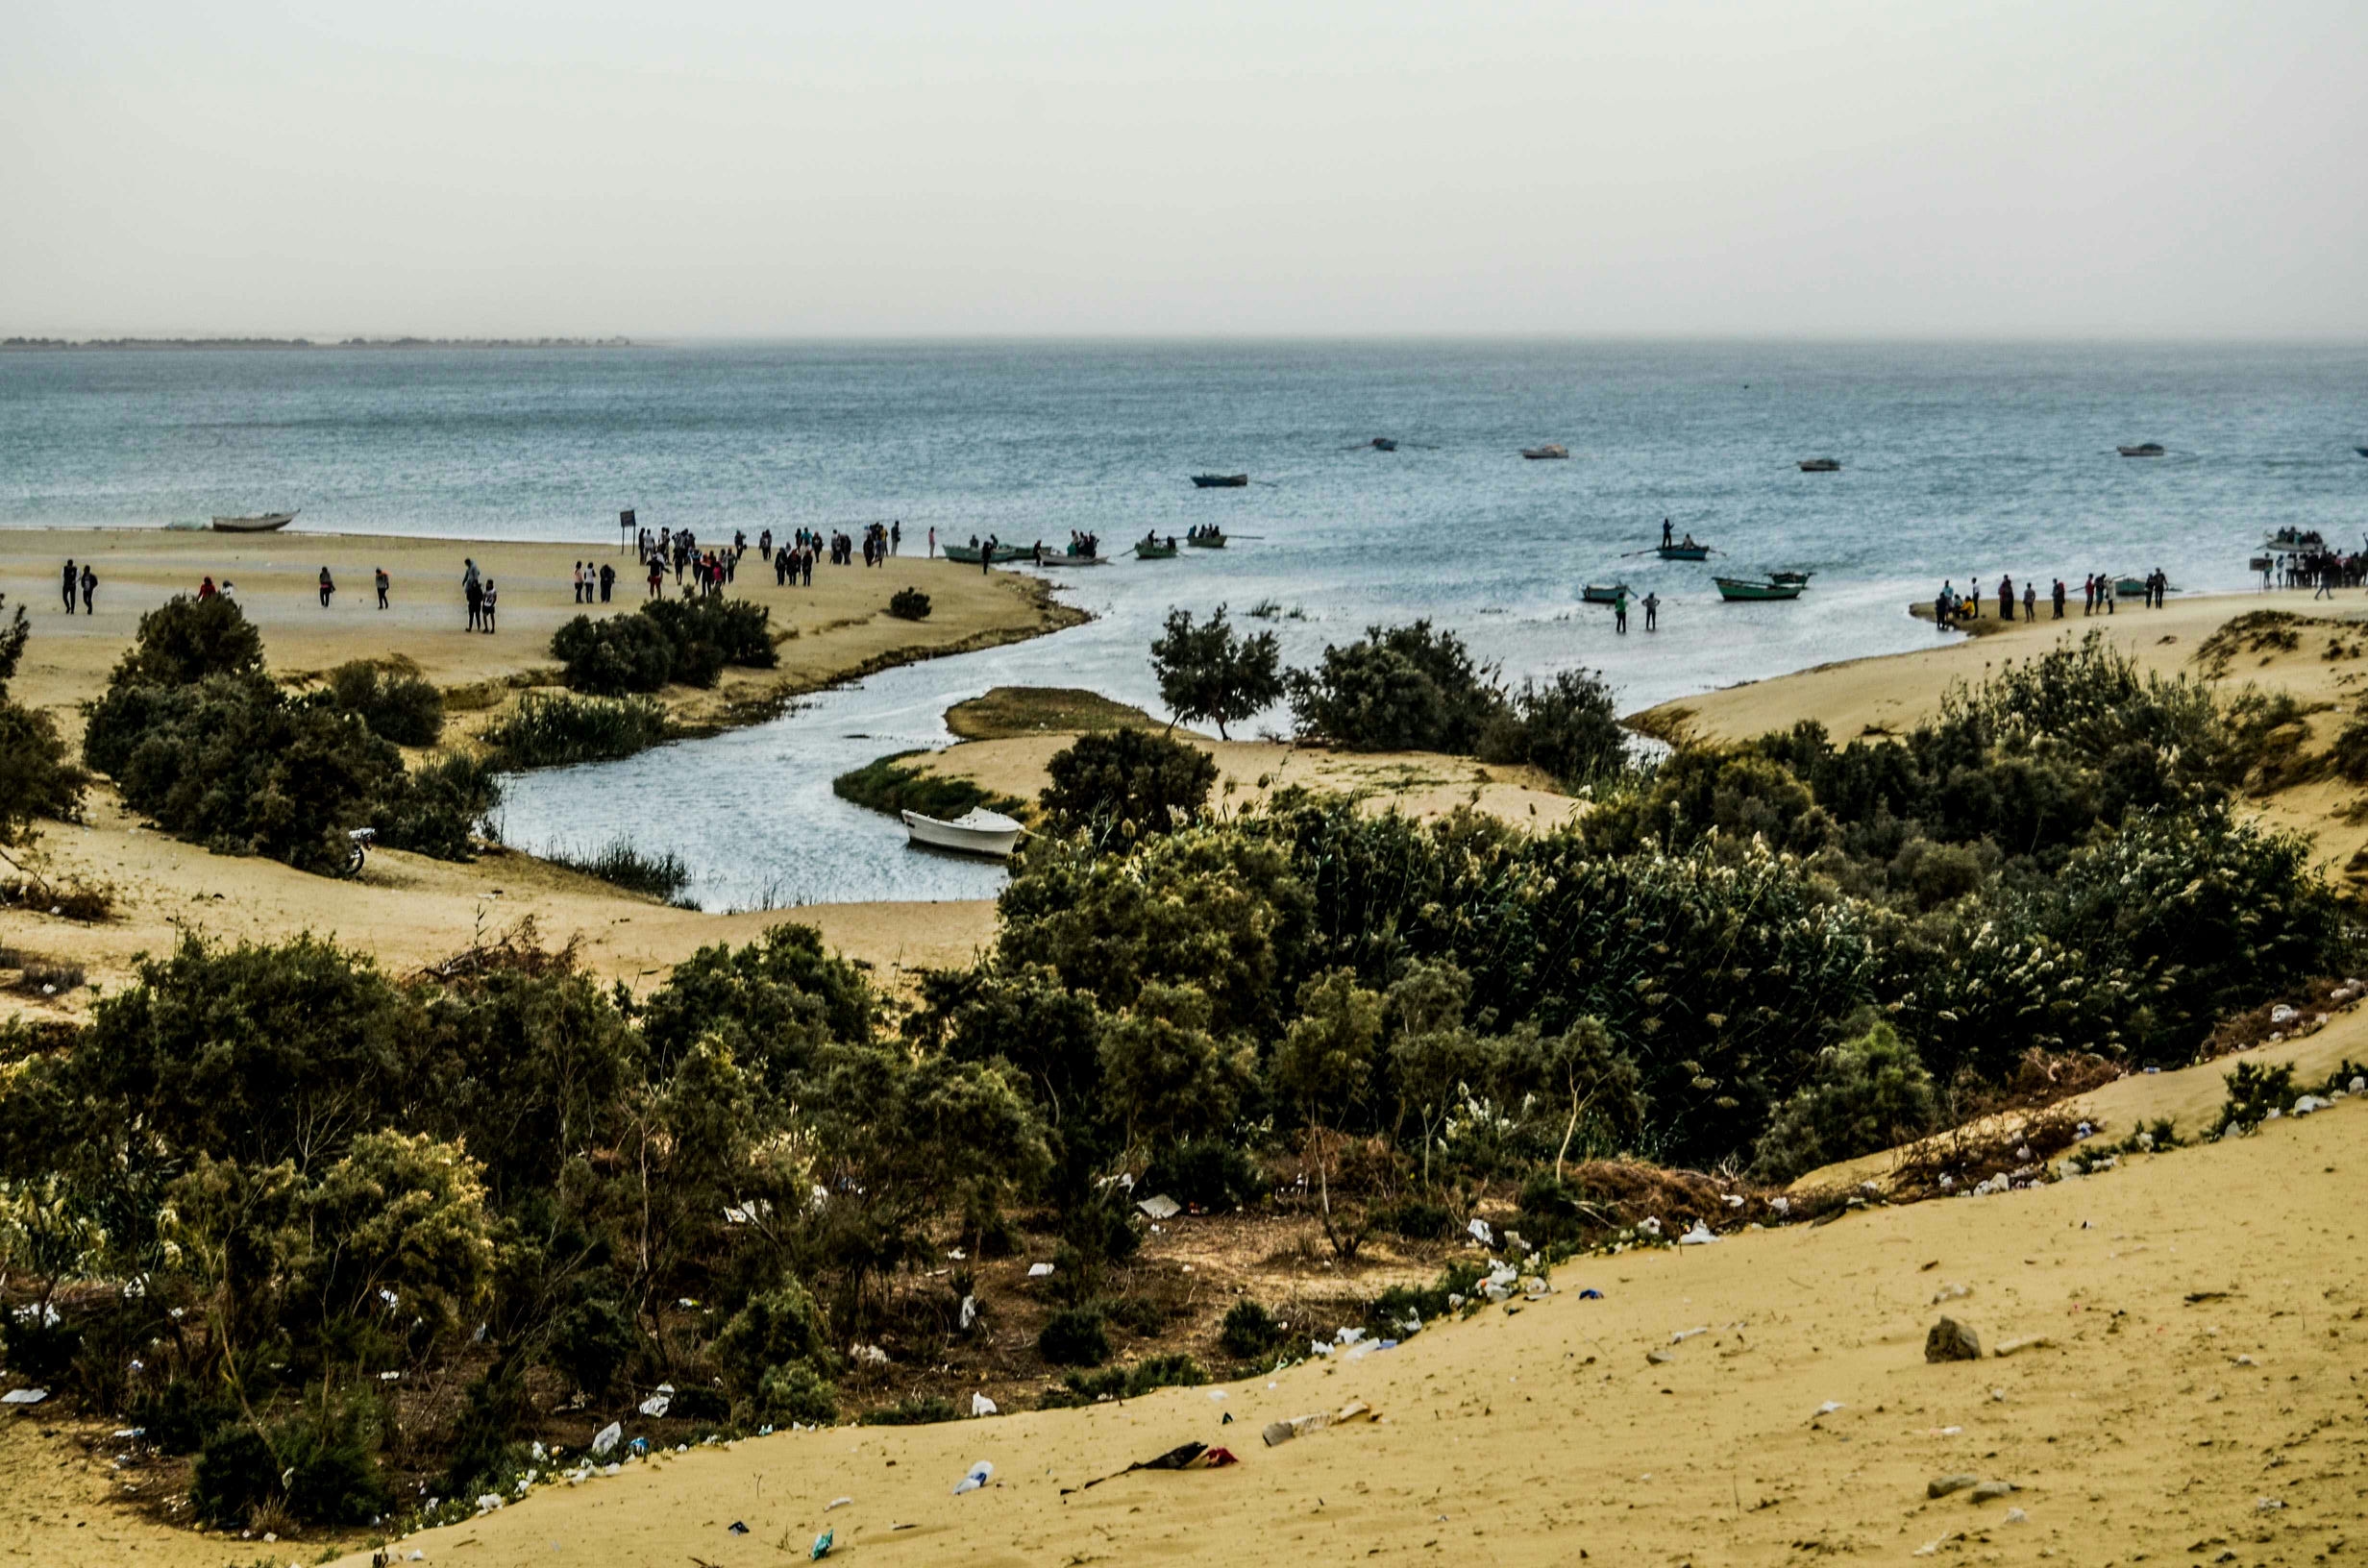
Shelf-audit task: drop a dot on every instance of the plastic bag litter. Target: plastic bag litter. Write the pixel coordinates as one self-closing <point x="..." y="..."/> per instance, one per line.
<point x="1182" y="1456"/>
<point x="969" y="1310"/>
<point x="736" y="1528"/>
<point x="1591" y="1293"/>
<point x="1699" y="1237"/>
<point x="976" y="1477"/>
<point x="24" y="1396"/>
<point x="1160" y="1206"/>
<point x="981" y="1405"/>
<point x="1650" y="1225"/>
<point x="1283" y="1431"/>
<point x="1038" y="1271"/>
<point x="821" y="1545"/>
<point x="1480" y="1232"/>
<point x="656" y="1405"/>
<point x="837" y="1503"/>
<point x="606" y="1437"/>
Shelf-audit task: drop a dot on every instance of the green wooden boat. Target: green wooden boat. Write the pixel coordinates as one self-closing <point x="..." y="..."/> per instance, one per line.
<point x="1801" y="577"/>
<point x="1683" y="552"/>
<point x="1736" y="590"/>
<point x="968" y="555"/>
<point x="1592" y="594"/>
<point x="1147" y="550"/>
<point x="1206" y="539"/>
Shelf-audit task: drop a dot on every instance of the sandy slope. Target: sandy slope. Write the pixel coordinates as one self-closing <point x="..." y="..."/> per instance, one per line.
<point x="1531" y="1438"/>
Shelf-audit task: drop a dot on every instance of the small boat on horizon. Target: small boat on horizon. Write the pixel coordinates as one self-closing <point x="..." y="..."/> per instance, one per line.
<point x="1743" y="591"/>
<point x="1552" y="448"/>
<point x="1220" y="482"/>
<point x="260" y="523"/>
<point x="975" y="832"/>
<point x="2144" y="448"/>
<point x="1821" y="465"/>
<point x="1383" y="443"/>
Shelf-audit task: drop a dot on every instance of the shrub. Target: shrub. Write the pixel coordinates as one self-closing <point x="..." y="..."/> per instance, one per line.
<point x="1568" y="729"/>
<point x="236" y="1474"/>
<point x="37" y="1345"/>
<point x="1417" y="1220"/>
<point x="179" y="1417"/>
<point x="1403" y="689"/>
<point x="183" y="640"/>
<point x="391" y="698"/>
<point x="620" y="864"/>
<point x="1212" y="1174"/>
<point x="549" y="730"/>
<point x="909" y="604"/>
<point x="891" y="785"/>
<point x="36" y="777"/>
<point x="592" y="1344"/>
<point x="913" y="1410"/>
<point x="439" y="807"/>
<point x="1872" y="1092"/>
<point x="1250" y="1330"/>
<point x="773" y="1330"/>
<point x="2255" y="1090"/>
<point x="710" y="633"/>
<point x="1074" y="1337"/>
<point x="1386" y="1313"/>
<point x="1209" y="672"/>
<point x="1146" y="1376"/>
<point x="798" y="1392"/>
<point x="1126" y="782"/>
<point x="614" y="654"/>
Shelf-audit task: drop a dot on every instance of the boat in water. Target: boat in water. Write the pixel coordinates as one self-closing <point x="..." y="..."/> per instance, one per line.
<point x="2144" y="448"/>
<point x="2294" y="542"/>
<point x="2136" y="588"/>
<point x="1592" y="594"/>
<point x="1743" y="591"/>
<point x="1552" y="448"/>
<point x="1155" y="549"/>
<point x="1383" y="443"/>
<point x="2362" y="451"/>
<point x="968" y="555"/>
<point x="1801" y="577"/>
<point x="975" y="832"/>
<point x="260" y="523"/>
<point x="1205" y="538"/>
<point x="1070" y="558"/>
<point x="1688" y="551"/>
<point x="1821" y="465"/>
<point x="1220" y="482"/>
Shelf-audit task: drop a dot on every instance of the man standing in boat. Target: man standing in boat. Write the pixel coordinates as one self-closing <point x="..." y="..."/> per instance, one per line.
<point x="1665" y="533"/>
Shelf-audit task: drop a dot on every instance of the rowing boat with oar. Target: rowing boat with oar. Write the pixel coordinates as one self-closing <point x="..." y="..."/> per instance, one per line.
<point x="968" y="555"/>
<point x="1220" y="482"/>
<point x="1595" y="594"/>
<point x="1148" y="550"/>
<point x="1743" y="591"/>
<point x="260" y="523"/>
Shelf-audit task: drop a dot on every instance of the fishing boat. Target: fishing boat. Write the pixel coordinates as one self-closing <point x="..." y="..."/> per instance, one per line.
<point x="1383" y="443"/>
<point x="1070" y="557"/>
<point x="260" y="523"/>
<point x="1552" y="448"/>
<point x="975" y="832"/>
<point x="1592" y="594"/>
<point x="2362" y="451"/>
<point x="968" y="555"/>
<point x="2136" y="588"/>
<point x="1152" y="550"/>
<point x="2144" y="448"/>
<point x="1220" y="482"/>
<point x="1801" y="577"/>
<point x="1207" y="538"/>
<point x="1821" y="465"/>
<point x="2294" y="542"/>
<point x="1739" y="590"/>
<point x="1686" y="551"/>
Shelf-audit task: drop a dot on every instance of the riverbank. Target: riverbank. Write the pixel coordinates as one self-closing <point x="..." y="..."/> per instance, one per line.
<point x="407" y="910"/>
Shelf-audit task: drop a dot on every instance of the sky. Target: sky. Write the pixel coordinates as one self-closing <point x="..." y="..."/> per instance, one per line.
<point x="786" y="168"/>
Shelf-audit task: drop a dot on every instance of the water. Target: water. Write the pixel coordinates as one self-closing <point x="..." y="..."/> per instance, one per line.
<point x="1959" y="461"/>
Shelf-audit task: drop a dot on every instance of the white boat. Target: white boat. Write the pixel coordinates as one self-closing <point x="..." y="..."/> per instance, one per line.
<point x="975" y="832"/>
<point x="261" y="523"/>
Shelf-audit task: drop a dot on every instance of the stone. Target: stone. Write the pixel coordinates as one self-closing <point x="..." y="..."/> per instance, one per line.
<point x="1943" y="1486"/>
<point x="1952" y="1341"/>
<point x="1989" y="1491"/>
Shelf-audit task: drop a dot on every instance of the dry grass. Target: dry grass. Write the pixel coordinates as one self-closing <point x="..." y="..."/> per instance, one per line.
<point x="1009" y="711"/>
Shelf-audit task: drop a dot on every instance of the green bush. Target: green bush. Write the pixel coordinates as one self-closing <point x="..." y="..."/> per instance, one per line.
<point x="619" y="862"/>
<point x="183" y="640"/>
<point x="1417" y="1220"/>
<point x="1074" y="1337"/>
<point x="890" y="785"/>
<point x="710" y="633"/>
<point x="1568" y="729"/>
<point x="236" y="1474"/>
<point x="796" y="1393"/>
<point x="550" y="730"/>
<point x="179" y="1417"/>
<point x="1212" y="1174"/>
<point x="34" y="1346"/>
<point x="321" y="1466"/>
<point x="909" y="604"/>
<point x="391" y="698"/>
<point x="913" y="1410"/>
<point x="1400" y="689"/>
<point x="439" y="807"/>
<point x="593" y="1343"/>
<point x="1146" y="1376"/>
<point x="2255" y="1089"/>
<point x="1869" y="1094"/>
<point x="1250" y="1330"/>
<point x="773" y="1330"/>
<point x="1125" y="782"/>
<point x="614" y="655"/>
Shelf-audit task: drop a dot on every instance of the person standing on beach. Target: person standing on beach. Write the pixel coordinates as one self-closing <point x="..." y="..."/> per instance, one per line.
<point x="488" y="607"/>
<point x="2006" y="597"/>
<point x="327" y="587"/>
<point x="657" y="577"/>
<point x="933" y="541"/>
<point x="382" y="581"/>
<point x="473" y="589"/>
<point x="609" y="582"/>
<point x="1652" y="611"/>
<point x="91" y="586"/>
<point x="2059" y="599"/>
<point x="2031" y="600"/>
<point x="69" y="587"/>
<point x="896" y="537"/>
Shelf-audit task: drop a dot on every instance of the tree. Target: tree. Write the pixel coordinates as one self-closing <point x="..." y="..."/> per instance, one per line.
<point x="1127" y="781"/>
<point x="1165" y="1076"/>
<point x="1399" y="688"/>
<point x="1870" y="1093"/>
<point x="1585" y="1071"/>
<point x="1325" y="1058"/>
<point x="183" y="640"/>
<point x="36" y="778"/>
<point x="1207" y="670"/>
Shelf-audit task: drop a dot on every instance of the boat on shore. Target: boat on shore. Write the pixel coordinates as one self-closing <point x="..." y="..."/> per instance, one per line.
<point x="1744" y="591"/>
<point x="975" y="832"/>
<point x="968" y="555"/>
<point x="1594" y="594"/>
<point x="1220" y="482"/>
<point x="1551" y="449"/>
<point x="1821" y="465"/>
<point x="2144" y="448"/>
<point x="260" y="523"/>
<point x="2136" y="588"/>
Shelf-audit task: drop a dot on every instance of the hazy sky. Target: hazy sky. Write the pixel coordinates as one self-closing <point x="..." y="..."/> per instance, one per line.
<point x="694" y="167"/>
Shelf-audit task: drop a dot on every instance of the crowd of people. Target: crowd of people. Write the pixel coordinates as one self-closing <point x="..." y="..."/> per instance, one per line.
<point x="2100" y="592"/>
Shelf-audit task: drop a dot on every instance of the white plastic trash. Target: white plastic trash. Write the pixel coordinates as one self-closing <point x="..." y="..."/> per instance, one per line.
<point x="1701" y="1235"/>
<point x="1161" y="1207"/>
<point x="977" y="1477"/>
<point x="1480" y="1232"/>
<point x="981" y="1405"/>
<point x="1038" y="1271"/>
<point x="606" y="1437"/>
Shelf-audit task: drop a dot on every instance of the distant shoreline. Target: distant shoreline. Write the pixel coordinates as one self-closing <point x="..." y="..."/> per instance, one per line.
<point x="24" y="345"/>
